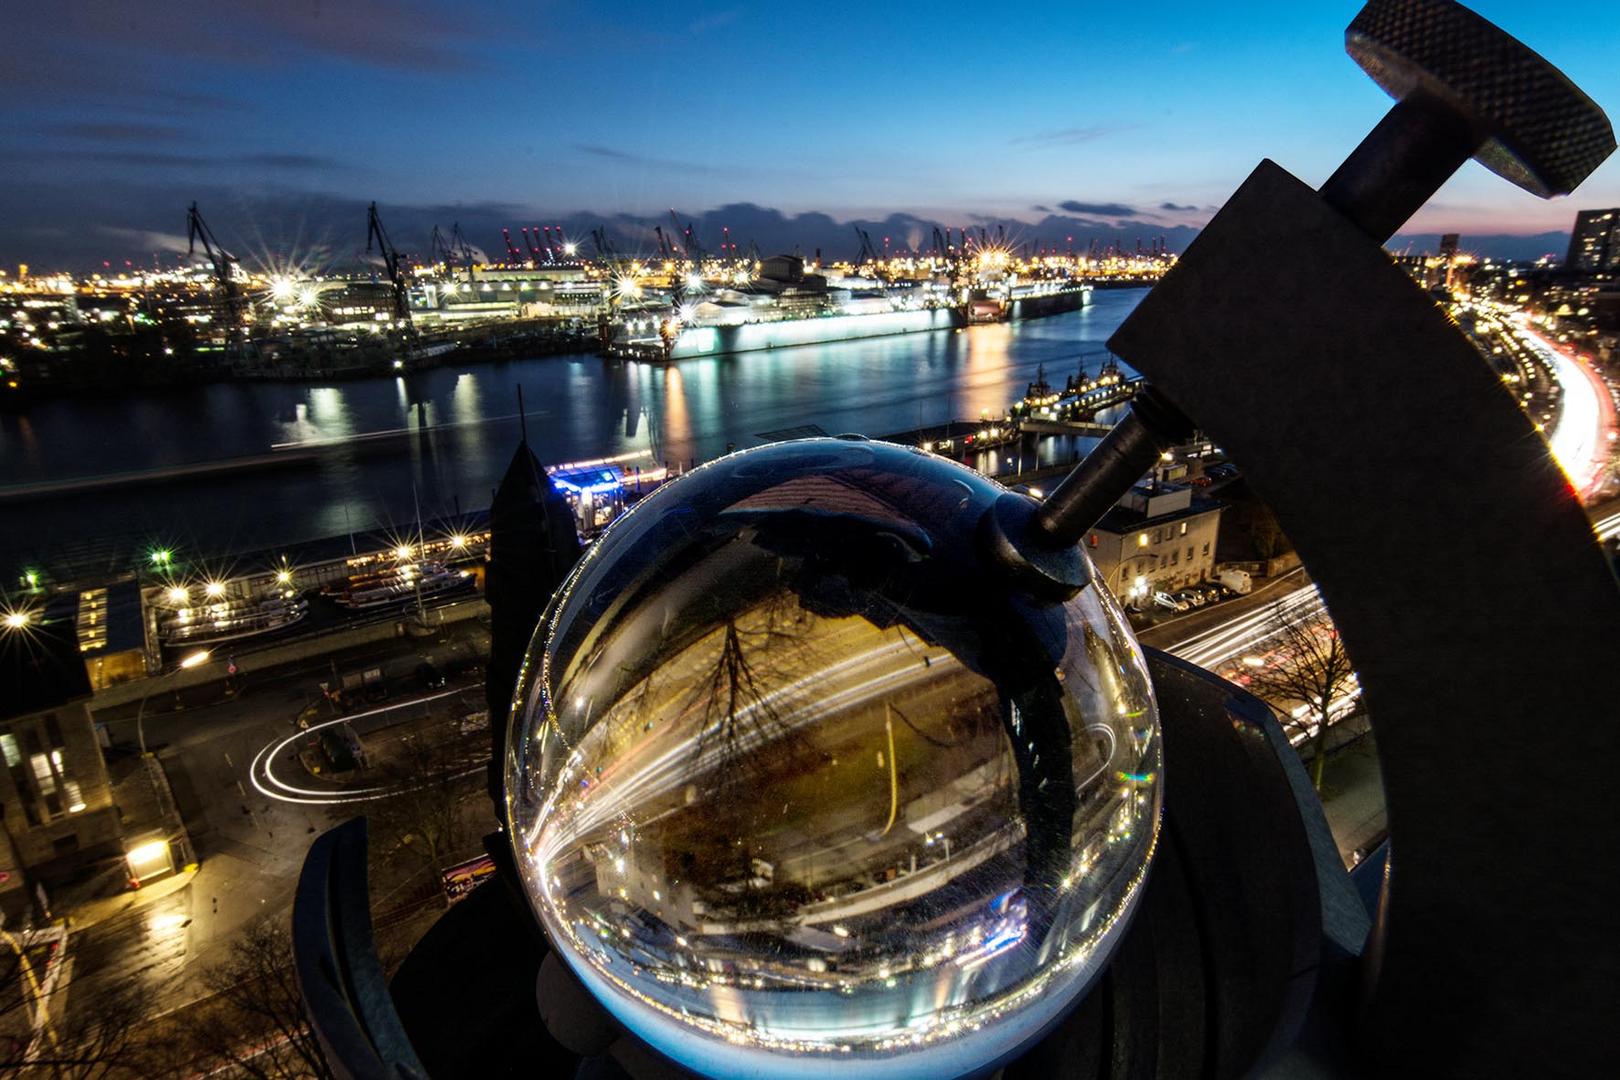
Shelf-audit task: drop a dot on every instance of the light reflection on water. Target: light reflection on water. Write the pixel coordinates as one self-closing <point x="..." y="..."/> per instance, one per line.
<point x="578" y="406"/>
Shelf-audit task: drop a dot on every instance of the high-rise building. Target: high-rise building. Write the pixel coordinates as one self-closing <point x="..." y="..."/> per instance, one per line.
<point x="1594" y="244"/>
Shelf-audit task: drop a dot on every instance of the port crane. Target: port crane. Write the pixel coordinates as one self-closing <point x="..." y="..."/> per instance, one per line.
<point x="868" y="253"/>
<point x="224" y="264"/>
<point x="694" y="250"/>
<point x="394" y="265"/>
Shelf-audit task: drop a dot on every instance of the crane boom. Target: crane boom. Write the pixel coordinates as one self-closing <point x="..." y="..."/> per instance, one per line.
<point x="392" y="262"/>
<point x="223" y="263"/>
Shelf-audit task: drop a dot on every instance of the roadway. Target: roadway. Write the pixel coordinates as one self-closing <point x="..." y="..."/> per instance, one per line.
<point x="1582" y="437"/>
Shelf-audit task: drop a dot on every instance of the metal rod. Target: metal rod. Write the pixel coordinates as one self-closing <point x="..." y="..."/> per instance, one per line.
<point x="1128" y="450"/>
<point x="1401" y="163"/>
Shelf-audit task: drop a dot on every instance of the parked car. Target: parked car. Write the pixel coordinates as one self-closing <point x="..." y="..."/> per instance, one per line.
<point x="429" y="676"/>
<point x="1165" y="600"/>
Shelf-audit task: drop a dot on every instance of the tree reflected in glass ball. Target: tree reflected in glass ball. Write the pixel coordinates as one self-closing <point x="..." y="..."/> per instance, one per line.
<point x="798" y="776"/>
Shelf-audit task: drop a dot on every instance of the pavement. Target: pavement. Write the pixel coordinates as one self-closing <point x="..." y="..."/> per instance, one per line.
<point x="158" y="941"/>
<point x="1353" y="799"/>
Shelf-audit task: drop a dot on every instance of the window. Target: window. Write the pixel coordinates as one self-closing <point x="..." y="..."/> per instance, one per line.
<point x="1183" y="528"/>
<point x="8" y="743"/>
<point x="1189" y="553"/>
<point x="1141" y="540"/>
<point x="1175" y="558"/>
<point x="1206" y="547"/>
<point x="53" y="730"/>
<point x="44" y="775"/>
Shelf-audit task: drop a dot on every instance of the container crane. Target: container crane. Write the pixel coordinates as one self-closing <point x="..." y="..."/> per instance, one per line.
<point x="867" y="253"/>
<point x="694" y="250"/>
<point x="224" y="264"/>
<point x="375" y="233"/>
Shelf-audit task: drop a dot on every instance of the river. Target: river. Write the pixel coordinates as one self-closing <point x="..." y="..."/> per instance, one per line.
<point x="464" y="426"/>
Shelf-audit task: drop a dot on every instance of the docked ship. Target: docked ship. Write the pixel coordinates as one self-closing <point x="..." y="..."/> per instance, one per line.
<point x="396" y="585"/>
<point x="784" y="306"/>
<point x="231" y="619"/>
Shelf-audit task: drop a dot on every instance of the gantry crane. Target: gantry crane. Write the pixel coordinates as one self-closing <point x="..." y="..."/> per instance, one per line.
<point x="224" y="263"/>
<point x="392" y="262"/>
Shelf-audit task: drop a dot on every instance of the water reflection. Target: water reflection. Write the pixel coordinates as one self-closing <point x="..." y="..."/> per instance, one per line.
<point x="579" y="408"/>
<point x="796" y="776"/>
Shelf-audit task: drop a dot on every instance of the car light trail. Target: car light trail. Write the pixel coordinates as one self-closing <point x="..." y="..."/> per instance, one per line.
<point x="1580" y="442"/>
<point x="265" y="781"/>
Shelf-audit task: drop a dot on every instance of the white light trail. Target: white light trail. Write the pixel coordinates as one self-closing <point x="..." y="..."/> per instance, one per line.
<point x="1580" y="441"/>
<point x="261" y="773"/>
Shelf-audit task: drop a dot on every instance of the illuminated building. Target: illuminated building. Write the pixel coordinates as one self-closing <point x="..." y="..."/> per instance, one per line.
<point x="1594" y="242"/>
<point x="1157" y="539"/>
<point x="54" y="792"/>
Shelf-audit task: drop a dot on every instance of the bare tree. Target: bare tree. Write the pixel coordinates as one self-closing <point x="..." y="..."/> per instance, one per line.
<point x="1309" y="667"/>
<point x="435" y="816"/>
<point x="106" y="1044"/>
<point x="255" y="1024"/>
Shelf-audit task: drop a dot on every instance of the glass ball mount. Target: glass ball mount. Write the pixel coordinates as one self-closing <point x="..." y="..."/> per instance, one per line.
<point x="800" y="774"/>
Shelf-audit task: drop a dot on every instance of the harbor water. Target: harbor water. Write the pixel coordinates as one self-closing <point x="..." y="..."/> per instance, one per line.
<point x="357" y="455"/>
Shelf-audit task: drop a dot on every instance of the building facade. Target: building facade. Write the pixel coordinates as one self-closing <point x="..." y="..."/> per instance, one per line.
<point x="1157" y="539"/>
<point x="1594" y="243"/>
<point x="55" y="798"/>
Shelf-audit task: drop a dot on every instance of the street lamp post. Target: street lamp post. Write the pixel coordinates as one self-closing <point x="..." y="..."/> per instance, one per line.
<point x="198" y="657"/>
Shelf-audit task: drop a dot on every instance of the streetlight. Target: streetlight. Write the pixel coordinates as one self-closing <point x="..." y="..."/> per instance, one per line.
<point x="198" y="657"/>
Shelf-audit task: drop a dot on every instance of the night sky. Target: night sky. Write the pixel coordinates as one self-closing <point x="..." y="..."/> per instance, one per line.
<point x="285" y="117"/>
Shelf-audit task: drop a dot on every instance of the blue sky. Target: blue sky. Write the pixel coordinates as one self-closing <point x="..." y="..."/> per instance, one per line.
<point x="118" y="111"/>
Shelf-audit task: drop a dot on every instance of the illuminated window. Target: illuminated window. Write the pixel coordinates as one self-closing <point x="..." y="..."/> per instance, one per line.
<point x="44" y="775"/>
<point x="8" y="743"/>
<point x="1183" y="528"/>
<point x="1141" y="540"/>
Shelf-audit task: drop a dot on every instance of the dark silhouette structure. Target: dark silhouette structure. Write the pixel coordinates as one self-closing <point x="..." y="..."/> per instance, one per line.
<point x="1478" y="941"/>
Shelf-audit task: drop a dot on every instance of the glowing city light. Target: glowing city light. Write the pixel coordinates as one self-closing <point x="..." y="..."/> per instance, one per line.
<point x="403" y="551"/>
<point x="16" y="620"/>
<point x="177" y="595"/>
<point x="458" y="541"/>
<point x="199" y="657"/>
<point x="215" y="588"/>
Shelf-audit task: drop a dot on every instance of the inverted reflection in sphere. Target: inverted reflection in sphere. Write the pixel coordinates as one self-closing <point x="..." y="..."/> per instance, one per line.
<point x="796" y="776"/>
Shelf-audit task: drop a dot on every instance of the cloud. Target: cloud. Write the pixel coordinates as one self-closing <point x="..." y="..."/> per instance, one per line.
<point x="1039" y="209"/>
<point x="164" y="159"/>
<point x="1063" y="136"/>
<point x="292" y="161"/>
<point x="646" y="161"/>
<point x="1114" y="210"/>
<point x="121" y="132"/>
<point x="146" y="239"/>
<point x="703" y="24"/>
<point x="1176" y="207"/>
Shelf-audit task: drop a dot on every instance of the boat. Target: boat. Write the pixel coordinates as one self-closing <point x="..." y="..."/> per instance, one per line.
<point x="784" y="306"/>
<point x="231" y="619"/>
<point x="400" y="584"/>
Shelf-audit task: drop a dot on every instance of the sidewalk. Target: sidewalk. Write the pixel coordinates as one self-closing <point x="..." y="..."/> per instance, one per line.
<point x="97" y="910"/>
<point x="1353" y="798"/>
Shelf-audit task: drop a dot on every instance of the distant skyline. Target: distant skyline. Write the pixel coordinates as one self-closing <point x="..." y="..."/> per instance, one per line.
<point x="282" y="116"/>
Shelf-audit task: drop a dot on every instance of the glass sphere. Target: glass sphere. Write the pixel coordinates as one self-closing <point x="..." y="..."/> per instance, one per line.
<point x="797" y="776"/>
